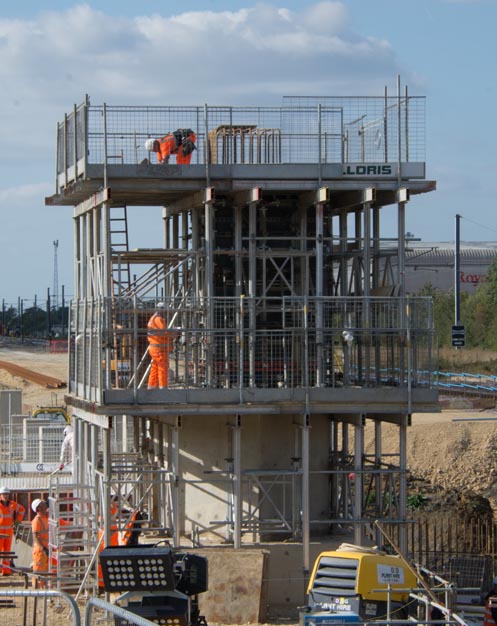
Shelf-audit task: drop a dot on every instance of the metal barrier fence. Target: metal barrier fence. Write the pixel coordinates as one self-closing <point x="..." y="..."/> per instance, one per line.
<point x="97" y="611"/>
<point x="41" y="610"/>
<point x="326" y="130"/>
<point x="56" y="608"/>
<point x="28" y="440"/>
<point x="122" y="617"/>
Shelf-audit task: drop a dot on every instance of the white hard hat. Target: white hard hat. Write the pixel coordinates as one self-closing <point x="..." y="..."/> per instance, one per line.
<point x="161" y="305"/>
<point x="35" y="504"/>
<point x="347" y="336"/>
<point x="149" y="144"/>
<point x="4" y="490"/>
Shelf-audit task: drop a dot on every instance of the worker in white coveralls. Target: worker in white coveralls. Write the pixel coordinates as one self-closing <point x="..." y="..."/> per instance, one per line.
<point x="67" y="448"/>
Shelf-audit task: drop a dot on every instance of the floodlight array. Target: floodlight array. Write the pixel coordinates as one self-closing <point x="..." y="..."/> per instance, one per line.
<point x="151" y="573"/>
<point x="137" y="569"/>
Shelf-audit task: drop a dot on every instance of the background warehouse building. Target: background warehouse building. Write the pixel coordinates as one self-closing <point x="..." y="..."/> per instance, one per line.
<point x="434" y="263"/>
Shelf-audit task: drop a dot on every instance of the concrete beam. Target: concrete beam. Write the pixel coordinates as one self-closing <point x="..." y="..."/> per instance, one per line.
<point x="189" y="201"/>
<point x="97" y="199"/>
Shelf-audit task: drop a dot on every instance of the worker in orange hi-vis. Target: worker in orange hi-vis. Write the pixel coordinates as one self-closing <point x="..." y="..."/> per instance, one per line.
<point x="11" y="513"/>
<point x="180" y="143"/>
<point x="114" y="537"/>
<point x="161" y="343"/>
<point x="39" y="526"/>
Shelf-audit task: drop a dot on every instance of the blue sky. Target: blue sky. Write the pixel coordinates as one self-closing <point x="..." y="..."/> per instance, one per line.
<point x="52" y="53"/>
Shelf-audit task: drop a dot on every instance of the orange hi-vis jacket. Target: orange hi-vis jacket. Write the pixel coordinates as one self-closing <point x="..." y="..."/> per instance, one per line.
<point x="158" y="335"/>
<point x="10" y="513"/>
<point x="169" y="145"/>
<point x="39" y="527"/>
<point x="161" y="343"/>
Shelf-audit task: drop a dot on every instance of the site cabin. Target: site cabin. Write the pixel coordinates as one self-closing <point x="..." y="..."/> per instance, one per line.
<point x="351" y="584"/>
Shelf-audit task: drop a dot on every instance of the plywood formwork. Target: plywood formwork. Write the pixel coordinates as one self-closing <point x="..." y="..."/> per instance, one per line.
<point x="291" y="328"/>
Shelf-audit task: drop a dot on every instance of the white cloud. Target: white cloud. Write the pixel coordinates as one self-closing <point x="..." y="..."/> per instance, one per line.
<point x="14" y="197"/>
<point x="327" y="17"/>
<point x="187" y="58"/>
<point x="249" y="56"/>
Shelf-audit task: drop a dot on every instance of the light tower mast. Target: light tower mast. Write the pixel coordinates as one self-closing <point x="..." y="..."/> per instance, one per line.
<point x="55" y="274"/>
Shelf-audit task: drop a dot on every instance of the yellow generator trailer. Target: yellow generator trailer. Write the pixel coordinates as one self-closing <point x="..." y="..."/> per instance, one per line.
<point x="352" y="583"/>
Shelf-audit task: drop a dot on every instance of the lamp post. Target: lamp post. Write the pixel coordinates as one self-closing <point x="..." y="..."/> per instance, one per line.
<point x="457" y="312"/>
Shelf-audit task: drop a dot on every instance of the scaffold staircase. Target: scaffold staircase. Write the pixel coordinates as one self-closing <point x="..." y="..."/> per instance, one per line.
<point x="119" y="243"/>
<point x="73" y="537"/>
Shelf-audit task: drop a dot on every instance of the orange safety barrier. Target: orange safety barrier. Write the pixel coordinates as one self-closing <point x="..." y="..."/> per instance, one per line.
<point x="57" y="345"/>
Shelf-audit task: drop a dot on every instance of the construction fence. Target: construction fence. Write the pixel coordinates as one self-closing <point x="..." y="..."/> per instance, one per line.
<point x="326" y="130"/>
<point x="215" y="343"/>
<point x="463" y="550"/>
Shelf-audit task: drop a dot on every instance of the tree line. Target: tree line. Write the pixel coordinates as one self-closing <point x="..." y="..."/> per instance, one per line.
<point x="478" y="313"/>
<point x="34" y="321"/>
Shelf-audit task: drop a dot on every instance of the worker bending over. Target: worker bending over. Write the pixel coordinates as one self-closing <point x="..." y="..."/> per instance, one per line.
<point x="181" y="143"/>
<point x="161" y="343"/>
<point x="11" y="513"/>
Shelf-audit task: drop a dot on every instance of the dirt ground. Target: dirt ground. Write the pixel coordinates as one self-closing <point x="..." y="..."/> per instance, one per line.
<point x="38" y="360"/>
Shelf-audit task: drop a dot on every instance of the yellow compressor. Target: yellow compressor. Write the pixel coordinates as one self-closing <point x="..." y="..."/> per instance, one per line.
<point x="352" y="584"/>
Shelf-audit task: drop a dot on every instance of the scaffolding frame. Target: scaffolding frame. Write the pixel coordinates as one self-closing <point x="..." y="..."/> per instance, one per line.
<point x="282" y="297"/>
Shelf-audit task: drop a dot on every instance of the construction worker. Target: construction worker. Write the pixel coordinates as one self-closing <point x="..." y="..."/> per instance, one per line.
<point x="67" y="445"/>
<point x="39" y="527"/>
<point x="181" y="143"/>
<point x="114" y="536"/>
<point x="161" y="343"/>
<point x="11" y="514"/>
<point x="133" y="529"/>
<point x="490" y="615"/>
